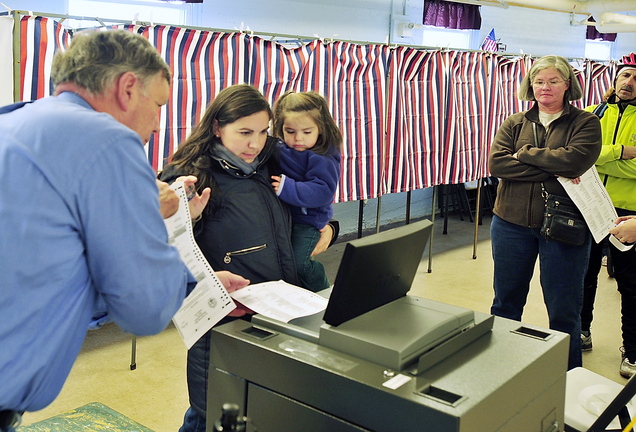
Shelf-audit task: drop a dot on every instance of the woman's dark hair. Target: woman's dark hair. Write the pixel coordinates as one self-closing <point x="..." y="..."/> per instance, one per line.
<point x="231" y="104"/>
<point x="314" y="105"/>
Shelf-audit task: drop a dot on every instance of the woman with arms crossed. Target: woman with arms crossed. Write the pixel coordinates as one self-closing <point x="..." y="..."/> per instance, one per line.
<point x="530" y="150"/>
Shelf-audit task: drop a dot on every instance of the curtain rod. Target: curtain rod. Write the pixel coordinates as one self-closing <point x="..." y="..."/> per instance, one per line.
<point x="299" y="38"/>
<point x="109" y="20"/>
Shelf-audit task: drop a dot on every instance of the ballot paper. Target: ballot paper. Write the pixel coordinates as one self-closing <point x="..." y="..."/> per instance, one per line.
<point x="595" y="204"/>
<point x="209" y="302"/>
<point x="280" y="300"/>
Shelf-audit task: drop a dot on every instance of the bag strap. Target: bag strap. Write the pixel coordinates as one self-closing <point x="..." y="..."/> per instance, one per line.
<point x="600" y="109"/>
<point x="544" y="194"/>
<point x="536" y="137"/>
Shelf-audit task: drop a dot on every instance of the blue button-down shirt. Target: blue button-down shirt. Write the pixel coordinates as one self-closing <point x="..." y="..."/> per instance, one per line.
<point x="80" y="225"/>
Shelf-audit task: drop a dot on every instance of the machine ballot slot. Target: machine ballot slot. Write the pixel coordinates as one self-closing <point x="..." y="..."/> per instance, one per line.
<point x="450" y="346"/>
<point x="259" y="333"/>
<point x="533" y="333"/>
<point x="441" y="395"/>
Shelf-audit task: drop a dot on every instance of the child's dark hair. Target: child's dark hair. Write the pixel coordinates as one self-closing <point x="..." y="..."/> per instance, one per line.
<point x="329" y="138"/>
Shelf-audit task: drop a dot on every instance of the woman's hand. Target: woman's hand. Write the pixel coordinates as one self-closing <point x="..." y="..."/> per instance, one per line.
<point x="323" y="242"/>
<point x="625" y="229"/>
<point x="198" y="202"/>
<point x="233" y="282"/>
<point x="575" y="180"/>
<point x="276" y="183"/>
<point x="241" y="310"/>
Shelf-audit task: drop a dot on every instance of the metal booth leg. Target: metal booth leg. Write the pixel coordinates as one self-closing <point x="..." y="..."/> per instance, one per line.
<point x="133" y="354"/>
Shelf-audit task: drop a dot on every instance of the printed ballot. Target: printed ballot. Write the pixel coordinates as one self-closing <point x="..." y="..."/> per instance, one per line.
<point x="209" y="302"/>
<point x="280" y="300"/>
<point x="595" y="205"/>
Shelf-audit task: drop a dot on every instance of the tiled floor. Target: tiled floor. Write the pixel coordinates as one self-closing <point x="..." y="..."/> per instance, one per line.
<point x="155" y="393"/>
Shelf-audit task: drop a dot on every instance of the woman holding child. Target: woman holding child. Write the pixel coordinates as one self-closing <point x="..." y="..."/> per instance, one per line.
<point x="245" y="227"/>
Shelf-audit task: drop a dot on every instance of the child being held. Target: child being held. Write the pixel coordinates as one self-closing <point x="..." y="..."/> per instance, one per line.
<point x="310" y="167"/>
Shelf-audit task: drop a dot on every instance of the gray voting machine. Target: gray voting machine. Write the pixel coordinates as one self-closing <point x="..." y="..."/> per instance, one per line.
<point x="379" y="359"/>
<point x="370" y="315"/>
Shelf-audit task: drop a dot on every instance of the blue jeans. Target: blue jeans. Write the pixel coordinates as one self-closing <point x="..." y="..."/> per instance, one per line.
<point x="192" y="422"/>
<point x="310" y="272"/>
<point x="9" y="421"/>
<point x="562" y="270"/>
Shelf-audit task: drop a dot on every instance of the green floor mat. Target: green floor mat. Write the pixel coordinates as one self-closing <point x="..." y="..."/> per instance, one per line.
<point x="91" y="417"/>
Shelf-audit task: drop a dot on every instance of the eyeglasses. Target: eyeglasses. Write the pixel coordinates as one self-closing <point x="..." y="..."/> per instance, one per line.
<point x="551" y="83"/>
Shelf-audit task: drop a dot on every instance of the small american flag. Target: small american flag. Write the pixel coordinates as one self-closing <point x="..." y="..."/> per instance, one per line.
<point x="490" y="43"/>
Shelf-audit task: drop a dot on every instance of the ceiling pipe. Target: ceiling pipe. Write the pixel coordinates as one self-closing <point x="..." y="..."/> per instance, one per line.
<point x="608" y="22"/>
<point x="616" y="24"/>
<point x="499" y="3"/>
<point x="599" y="6"/>
<point x="575" y="6"/>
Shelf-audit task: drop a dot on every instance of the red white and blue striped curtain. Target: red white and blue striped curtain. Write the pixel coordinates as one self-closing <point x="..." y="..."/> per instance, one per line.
<point x="508" y="76"/>
<point x="202" y="63"/>
<point x="356" y="91"/>
<point x="417" y="95"/>
<point x="410" y="119"/>
<point x="597" y="79"/>
<point x="274" y="69"/>
<point x="40" y="38"/>
<point x="446" y="108"/>
<point x="470" y="96"/>
<point x="580" y="77"/>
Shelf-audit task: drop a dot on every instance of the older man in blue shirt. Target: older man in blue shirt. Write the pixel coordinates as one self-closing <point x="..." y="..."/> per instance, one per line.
<point x="80" y="215"/>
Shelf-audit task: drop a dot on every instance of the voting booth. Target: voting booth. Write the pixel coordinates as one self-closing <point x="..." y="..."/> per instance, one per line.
<point x="379" y="359"/>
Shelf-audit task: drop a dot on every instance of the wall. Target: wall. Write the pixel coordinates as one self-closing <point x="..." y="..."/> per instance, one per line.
<point x="526" y="30"/>
<point x="50" y="6"/>
<point x="361" y="20"/>
<point x="522" y="31"/>
<point x="543" y="32"/>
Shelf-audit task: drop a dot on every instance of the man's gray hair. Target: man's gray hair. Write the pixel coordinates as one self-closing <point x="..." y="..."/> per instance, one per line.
<point x="95" y="59"/>
<point x="561" y="64"/>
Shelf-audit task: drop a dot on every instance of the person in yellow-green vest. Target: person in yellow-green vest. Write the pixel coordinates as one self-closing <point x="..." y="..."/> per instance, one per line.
<point x="616" y="166"/>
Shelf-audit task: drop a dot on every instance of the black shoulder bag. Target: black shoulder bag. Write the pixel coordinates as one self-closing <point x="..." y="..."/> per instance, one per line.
<point x="562" y="220"/>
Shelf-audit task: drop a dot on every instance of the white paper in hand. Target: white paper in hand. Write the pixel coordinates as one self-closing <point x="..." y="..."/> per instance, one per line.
<point x="209" y="302"/>
<point x="280" y="300"/>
